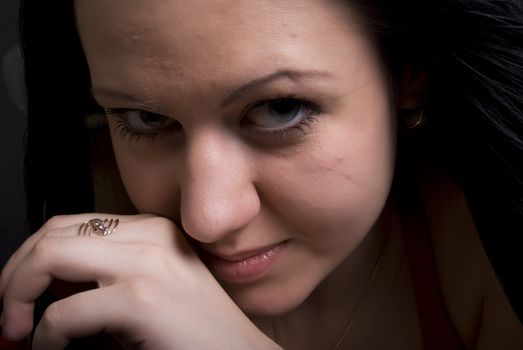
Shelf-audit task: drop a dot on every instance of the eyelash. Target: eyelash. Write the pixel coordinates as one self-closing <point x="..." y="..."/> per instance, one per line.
<point x="123" y="129"/>
<point x="311" y="110"/>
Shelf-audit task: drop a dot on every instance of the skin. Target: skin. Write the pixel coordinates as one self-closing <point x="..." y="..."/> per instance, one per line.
<point x="227" y="185"/>
<point x="231" y="188"/>
<point x="222" y="179"/>
<point x="132" y="272"/>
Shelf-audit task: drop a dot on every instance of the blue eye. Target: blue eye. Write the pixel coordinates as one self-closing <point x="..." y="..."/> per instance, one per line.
<point x="279" y="115"/>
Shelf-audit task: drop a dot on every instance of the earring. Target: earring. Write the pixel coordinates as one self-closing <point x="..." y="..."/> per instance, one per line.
<point x="413" y="119"/>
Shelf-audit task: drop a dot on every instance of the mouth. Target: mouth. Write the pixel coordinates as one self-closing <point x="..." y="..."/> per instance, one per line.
<point x="244" y="266"/>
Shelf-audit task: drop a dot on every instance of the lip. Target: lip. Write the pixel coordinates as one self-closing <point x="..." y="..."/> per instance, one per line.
<point x="243" y="267"/>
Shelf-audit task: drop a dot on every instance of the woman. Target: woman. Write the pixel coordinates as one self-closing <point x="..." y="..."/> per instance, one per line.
<point x="292" y="165"/>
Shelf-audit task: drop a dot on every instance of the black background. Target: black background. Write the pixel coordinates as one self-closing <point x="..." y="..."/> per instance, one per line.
<point x="13" y="223"/>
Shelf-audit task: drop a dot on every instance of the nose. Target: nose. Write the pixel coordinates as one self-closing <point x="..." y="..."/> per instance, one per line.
<point x="218" y="196"/>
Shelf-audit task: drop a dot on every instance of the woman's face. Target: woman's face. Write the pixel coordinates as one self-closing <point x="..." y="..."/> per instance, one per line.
<point x="264" y="129"/>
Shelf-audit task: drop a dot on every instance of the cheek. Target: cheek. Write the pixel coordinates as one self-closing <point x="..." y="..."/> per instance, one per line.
<point x="338" y="187"/>
<point x="151" y="183"/>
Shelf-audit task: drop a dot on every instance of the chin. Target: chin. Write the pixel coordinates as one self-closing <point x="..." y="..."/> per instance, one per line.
<point x="273" y="309"/>
<point x="259" y="301"/>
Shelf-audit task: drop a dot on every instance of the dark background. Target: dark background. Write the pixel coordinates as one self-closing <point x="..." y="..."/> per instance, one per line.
<point x="13" y="222"/>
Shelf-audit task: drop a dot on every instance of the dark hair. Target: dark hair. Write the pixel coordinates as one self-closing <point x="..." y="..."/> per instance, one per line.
<point x="472" y="48"/>
<point x="474" y="52"/>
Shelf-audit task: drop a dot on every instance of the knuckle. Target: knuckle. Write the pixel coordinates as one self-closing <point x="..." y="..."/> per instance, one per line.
<point x="145" y="216"/>
<point x="152" y="258"/>
<point x="145" y="252"/>
<point x="53" y="222"/>
<point x="163" y="229"/>
<point x="52" y="316"/>
<point x="142" y="292"/>
<point x="160" y="223"/>
<point x="42" y="250"/>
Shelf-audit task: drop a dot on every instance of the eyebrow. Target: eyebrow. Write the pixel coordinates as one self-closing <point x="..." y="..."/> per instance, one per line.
<point x="293" y="75"/>
<point x="118" y="95"/>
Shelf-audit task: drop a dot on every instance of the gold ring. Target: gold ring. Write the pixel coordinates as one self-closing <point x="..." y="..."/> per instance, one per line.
<point x="98" y="227"/>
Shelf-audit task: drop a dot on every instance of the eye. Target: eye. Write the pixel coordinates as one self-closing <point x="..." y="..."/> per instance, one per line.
<point x="141" y="122"/>
<point x="279" y="114"/>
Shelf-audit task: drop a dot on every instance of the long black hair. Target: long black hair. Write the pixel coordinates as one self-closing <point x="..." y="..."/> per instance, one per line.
<point x="473" y="50"/>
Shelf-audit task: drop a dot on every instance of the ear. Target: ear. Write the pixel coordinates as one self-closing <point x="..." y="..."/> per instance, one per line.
<point x="412" y="92"/>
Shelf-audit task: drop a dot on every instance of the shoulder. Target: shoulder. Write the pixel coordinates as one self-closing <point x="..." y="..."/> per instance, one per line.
<point x="474" y="297"/>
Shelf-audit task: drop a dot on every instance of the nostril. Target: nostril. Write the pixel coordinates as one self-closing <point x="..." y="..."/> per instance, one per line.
<point x="210" y="217"/>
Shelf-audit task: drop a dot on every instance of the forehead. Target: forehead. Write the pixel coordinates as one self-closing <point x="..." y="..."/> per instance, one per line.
<point x="183" y="42"/>
<point x="166" y="27"/>
<point x="198" y="16"/>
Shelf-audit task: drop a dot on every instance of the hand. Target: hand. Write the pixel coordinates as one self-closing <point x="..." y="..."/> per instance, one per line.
<point x="153" y="291"/>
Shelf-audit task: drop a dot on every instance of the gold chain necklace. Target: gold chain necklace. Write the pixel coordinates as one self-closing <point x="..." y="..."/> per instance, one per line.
<point x="352" y="319"/>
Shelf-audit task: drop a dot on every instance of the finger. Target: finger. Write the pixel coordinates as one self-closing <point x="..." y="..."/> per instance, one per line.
<point x="81" y="259"/>
<point x="22" y="252"/>
<point x="70" y="220"/>
<point x="56" y="226"/>
<point x="81" y="315"/>
<point x="64" y="258"/>
<point x="145" y="228"/>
